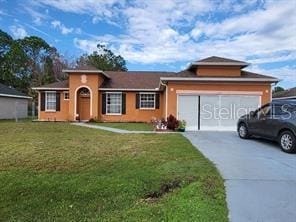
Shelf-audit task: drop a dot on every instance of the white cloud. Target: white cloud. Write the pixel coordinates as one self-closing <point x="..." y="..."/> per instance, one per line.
<point x="287" y="74"/>
<point x="18" y="32"/>
<point x="153" y="32"/>
<point x="60" y="26"/>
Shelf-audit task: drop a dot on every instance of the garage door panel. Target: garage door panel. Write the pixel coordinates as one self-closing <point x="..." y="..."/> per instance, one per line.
<point x="226" y="110"/>
<point x="208" y="111"/>
<point x="217" y="112"/>
<point x="188" y="111"/>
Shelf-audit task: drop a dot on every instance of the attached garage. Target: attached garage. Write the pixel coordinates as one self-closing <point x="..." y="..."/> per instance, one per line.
<point x="214" y="111"/>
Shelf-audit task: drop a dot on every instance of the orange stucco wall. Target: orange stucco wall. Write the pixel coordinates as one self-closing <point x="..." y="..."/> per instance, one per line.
<point x="133" y="114"/>
<point x="62" y="115"/>
<point x="93" y="81"/>
<point x="218" y="71"/>
<point x="248" y="87"/>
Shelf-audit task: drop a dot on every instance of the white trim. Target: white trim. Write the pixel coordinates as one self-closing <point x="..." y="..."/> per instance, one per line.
<point x="106" y="102"/>
<point x="15" y="96"/>
<point x="203" y="79"/>
<point x="148" y="108"/>
<point x="124" y="89"/>
<point x="48" y="88"/>
<point x="75" y="100"/>
<point x="50" y="110"/>
<point x="213" y="92"/>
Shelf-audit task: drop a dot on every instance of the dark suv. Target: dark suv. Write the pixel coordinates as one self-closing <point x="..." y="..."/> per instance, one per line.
<point x="275" y="121"/>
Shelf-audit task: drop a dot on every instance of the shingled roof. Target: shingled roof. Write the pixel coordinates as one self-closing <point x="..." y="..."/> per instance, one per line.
<point x="8" y="91"/>
<point x="134" y="79"/>
<point x="285" y="94"/>
<point x="218" y="61"/>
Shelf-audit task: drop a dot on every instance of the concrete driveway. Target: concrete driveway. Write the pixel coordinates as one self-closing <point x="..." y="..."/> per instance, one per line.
<point x="260" y="179"/>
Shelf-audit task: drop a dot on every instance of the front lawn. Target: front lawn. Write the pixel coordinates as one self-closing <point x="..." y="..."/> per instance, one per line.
<point x="61" y="172"/>
<point x="129" y="126"/>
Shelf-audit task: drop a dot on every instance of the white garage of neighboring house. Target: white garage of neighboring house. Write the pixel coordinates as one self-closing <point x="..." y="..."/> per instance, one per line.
<point x="13" y="104"/>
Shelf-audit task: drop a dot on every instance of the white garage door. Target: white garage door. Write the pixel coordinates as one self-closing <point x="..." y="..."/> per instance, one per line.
<point x="188" y="111"/>
<point x="214" y="112"/>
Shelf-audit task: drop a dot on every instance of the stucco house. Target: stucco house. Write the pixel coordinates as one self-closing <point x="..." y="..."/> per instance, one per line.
<point x="13" y="104"/>
<point x="197" y="95"/>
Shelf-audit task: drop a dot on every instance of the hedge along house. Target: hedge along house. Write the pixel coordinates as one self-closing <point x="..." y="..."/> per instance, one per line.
<point x="199" y="95"/>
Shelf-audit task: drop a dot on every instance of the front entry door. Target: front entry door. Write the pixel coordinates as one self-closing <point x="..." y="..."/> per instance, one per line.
<point x="84" y="107"/>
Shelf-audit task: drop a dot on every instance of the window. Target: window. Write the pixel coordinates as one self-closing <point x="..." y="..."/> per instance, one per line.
<point x="66" y="95"/>
<point x="147" y="101"/>
<point x="264" y="111"/>
<point x="113" y="103"/>
<point x="50" y="101"/>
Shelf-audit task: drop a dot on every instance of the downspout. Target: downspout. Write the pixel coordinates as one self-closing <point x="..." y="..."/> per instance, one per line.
<point x="166" y="98"/>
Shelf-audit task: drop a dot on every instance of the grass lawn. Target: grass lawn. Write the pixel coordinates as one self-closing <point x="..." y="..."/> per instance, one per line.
<point x="61" y="172"/>
<point x="129" y="126"/>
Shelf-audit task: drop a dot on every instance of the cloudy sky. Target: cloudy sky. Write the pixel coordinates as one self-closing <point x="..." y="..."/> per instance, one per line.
<point x="165" y="34"/>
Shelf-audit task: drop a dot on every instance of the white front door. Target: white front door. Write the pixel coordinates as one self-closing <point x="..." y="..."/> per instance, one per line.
<point x="188" y="111"/>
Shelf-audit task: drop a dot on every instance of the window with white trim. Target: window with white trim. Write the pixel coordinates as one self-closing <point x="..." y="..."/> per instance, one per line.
<point x="113" y="103"/>
<point x="147" y="100"/>
<point x="66" y="95"/>
<point x="50" y="101"/>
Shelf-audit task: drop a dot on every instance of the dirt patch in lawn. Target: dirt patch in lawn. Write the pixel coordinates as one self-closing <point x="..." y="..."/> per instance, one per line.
<point x="168" y="187"/>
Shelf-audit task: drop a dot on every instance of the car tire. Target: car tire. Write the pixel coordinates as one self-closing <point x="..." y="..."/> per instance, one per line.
<point x="243" y="131"/>
<point x="287" y="142"/>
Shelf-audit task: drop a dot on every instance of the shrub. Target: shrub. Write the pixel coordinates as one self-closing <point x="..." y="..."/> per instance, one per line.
<point x="172" y="122"/>
<point x="182" y="124"/>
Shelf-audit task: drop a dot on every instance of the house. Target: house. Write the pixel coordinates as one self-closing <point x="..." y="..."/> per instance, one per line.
<point x="13" y="104"/>
<point x="286" y="94"/>
<point x="199" y="95"/>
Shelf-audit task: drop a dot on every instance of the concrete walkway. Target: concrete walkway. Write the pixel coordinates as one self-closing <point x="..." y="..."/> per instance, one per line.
<point x="115" y="130"/>
<point x="260" y="179"/>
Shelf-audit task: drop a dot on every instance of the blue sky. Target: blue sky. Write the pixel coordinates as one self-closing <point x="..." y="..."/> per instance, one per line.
<point x="165" y="34"/>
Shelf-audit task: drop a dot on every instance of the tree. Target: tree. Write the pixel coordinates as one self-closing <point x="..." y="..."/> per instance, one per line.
<point x="278" y="89"/>
<point x="103" y="59"/>
<point x="29" y="62"/>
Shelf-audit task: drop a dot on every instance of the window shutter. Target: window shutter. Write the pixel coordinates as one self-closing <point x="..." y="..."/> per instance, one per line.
<point x="103" y="103"/>
<point x="58" y="101"/>
<point x="157" y="100"/>
<point x="123" y="103"/>
<point x="137" y="101"/>
<point x="42" y="101"/>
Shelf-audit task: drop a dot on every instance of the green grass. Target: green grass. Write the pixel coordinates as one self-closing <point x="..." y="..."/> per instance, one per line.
<point x="61" y="172"/>
<point x="129" y="126"/>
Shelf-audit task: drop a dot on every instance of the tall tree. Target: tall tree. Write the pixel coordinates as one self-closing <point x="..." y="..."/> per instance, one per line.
<point x="278" y="89"/>
<point x="103" y="59"/>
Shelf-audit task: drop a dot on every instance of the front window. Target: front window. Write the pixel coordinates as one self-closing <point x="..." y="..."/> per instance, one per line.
<point x="147" y="100"/>
<point x="50" y="101"/>
<point x="113" y="103"/>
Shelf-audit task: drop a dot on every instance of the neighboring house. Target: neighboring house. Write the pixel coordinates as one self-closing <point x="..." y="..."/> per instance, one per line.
<point x="13" y="104"/>
<point x="286" y="94"/>
<point x="195" y="95"/>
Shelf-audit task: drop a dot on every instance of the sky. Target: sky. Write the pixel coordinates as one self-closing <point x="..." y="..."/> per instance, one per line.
<point x="165" y="35"/>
